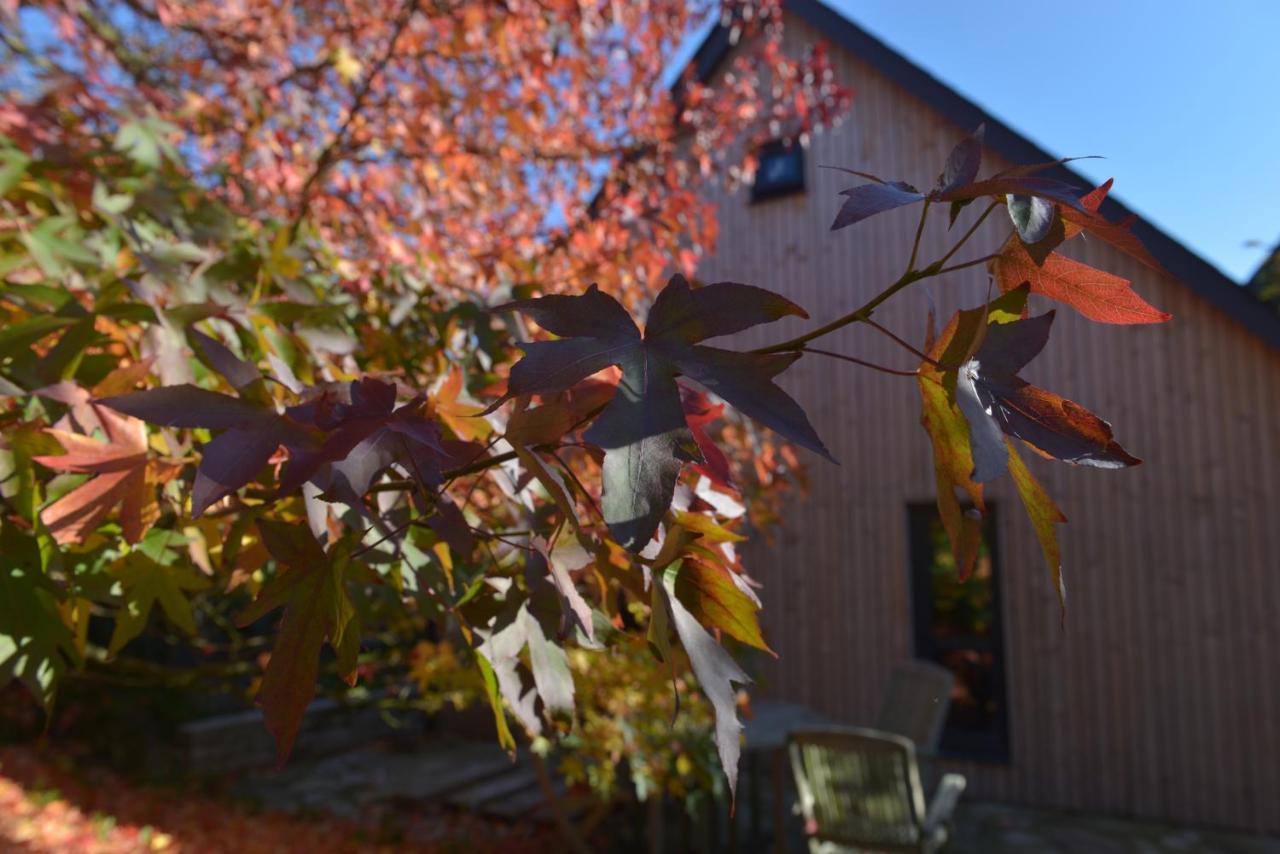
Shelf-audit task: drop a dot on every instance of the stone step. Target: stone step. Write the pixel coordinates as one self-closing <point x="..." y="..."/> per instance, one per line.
<point x="506" y="785"/>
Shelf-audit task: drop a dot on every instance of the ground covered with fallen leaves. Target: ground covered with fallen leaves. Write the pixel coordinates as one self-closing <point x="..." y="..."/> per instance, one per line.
<point x="51" y="803"/>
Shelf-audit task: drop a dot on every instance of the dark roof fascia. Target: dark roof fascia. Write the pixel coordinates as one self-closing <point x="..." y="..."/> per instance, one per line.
<point x="1203" y="278"/>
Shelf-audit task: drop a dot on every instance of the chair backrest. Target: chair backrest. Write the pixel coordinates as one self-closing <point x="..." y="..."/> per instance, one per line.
<point x="858" y="787"/>
<point x="916" y="702"/>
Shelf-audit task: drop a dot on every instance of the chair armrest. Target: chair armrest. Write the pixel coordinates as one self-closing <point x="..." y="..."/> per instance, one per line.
<point x="944" y="801"/>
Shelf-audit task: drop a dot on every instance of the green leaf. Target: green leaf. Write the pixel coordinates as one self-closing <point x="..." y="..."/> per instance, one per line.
<point x="146" y="581"/>
<point x="36" y="646"/>
<point x="13" y="166"/>
<point x="17" y="337"/>
<point x="146" y="141"/>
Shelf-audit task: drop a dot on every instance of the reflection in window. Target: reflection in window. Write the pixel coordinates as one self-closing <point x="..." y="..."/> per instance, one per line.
<point x="780" y="171"/>
<point x="957" y="624"/>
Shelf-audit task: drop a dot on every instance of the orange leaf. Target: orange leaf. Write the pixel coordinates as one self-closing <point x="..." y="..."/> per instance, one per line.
<point x="1097" y="295"/>
<point x="120" y="466"/>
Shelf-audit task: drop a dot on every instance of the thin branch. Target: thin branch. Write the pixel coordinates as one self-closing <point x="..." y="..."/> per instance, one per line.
<point x="941" y="262"/>
<point x="975" y="262"/>
<point x="900" y="342"/>
<point x="915" y="245"/>
<point x="842" y="357"/>
<point x="330" y="153"/>
<point x="860" y="314"/>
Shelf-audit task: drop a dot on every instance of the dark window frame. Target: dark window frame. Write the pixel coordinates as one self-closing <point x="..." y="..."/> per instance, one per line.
<point x="777" y="191"/>
<point x="993" y="744"/>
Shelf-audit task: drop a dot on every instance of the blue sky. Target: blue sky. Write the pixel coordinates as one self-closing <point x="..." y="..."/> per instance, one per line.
<point x="1180" y="96"/>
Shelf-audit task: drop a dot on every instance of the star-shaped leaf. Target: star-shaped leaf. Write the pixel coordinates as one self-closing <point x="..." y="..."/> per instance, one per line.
<point x="119" y="466"/>
<point x="148" y="576"/>
<point x="316" y="609"/>
<point x="643" y="430"/>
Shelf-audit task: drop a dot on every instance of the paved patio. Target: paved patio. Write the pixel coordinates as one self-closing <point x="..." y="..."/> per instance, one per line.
<point x="986" y="828"/>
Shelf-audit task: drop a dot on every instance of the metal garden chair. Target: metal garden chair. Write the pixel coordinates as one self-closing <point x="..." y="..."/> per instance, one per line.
<point x="860" y="790"/>
<point x="916" y="703"/>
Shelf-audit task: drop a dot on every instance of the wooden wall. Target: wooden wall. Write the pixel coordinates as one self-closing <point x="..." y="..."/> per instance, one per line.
<point x="1162" y="696"/>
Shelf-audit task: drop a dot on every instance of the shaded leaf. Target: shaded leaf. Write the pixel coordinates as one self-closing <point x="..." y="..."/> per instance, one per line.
<point x="316" y="609"/>
<point x="144" y="582"/>
<point x="716" y="672"/>
<point x="643" y="429"/>
<point x="963" y="162"/>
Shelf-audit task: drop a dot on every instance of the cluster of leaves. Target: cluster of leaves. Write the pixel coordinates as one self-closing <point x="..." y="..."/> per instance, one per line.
<point x="416" y="132"/>
<point x="974" y="403"/>
<point x="295" y="464"/>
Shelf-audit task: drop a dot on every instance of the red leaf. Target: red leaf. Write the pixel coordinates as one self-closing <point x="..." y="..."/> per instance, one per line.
<point x="316" y="609"/>
<point x="1118" y="234"/>
<point x="1096" y="294"/>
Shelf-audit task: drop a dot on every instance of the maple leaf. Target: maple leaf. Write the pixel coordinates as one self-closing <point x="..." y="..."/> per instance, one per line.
<point x="36" y="645"/>
<point x="643" y="430"/>
<point x="708" y="590"/>
<point x="1096" y="294"/>
<point x="251" y="434"/>
<point x="148" y="575"/>
<point x="1120" y="234"/>
<point x="119" y="466"/>
<point x="995" y="401"/>
<point x="316" y="609"/>
<point x="367" y="434"/>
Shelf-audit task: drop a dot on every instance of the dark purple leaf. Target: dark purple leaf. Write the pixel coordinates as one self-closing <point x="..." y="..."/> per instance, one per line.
<point x="189" y="406"/>
<point x="995" y="401"/>
<point x="233" y="459"/>
<point x="646" y="441"/>
<point x="213" y="353"/>
<point x="963" y="162"/>
<point x="643" y="428"/>
<point x="723" y="308"/>
<point x="870" y="199"/>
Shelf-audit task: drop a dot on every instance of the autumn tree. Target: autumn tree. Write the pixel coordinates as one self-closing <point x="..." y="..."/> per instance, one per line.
<point x="379" y="270"/>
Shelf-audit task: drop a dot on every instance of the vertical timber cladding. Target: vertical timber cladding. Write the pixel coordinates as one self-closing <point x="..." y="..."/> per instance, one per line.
<point x="1161" y="697"/>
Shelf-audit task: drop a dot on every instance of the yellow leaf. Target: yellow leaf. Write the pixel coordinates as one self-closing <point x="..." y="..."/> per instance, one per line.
<point x="347" y="66"/>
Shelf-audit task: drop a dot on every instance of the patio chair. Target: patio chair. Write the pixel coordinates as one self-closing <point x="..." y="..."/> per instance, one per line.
<point x="860" y="790"/>
<point x="916" y="703"/>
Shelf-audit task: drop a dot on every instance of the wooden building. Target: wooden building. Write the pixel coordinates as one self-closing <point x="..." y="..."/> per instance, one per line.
<point x="1161" y="696"/>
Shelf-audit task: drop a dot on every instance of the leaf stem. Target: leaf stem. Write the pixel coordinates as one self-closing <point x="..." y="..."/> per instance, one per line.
<point x="899" y="341"/>
<point x="975" y="262"/>
<point x="842" y="357"/>
<point x="915" y="245"/>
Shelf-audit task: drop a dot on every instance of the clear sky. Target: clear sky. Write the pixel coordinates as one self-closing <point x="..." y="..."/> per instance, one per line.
<point x="1181" y="96"/>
